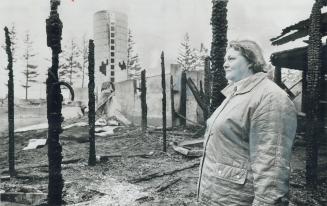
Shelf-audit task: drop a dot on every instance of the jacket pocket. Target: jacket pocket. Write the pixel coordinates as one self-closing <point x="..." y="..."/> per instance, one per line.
<point x="231" y="174"/>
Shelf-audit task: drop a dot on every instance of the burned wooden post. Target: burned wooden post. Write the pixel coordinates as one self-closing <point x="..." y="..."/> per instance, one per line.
<point x="54" y="100"/>
<point x="11" y="115"/>
<point x="182" y="108"/>
<point x="163" y="84"/>
<point x="172" y="101"/>
<point x="92" y="153"/>
<point x="144" y="107"/>
<point x="314" y="127"/>
<point x="207" y="89"/>
<point x="278" y="76"/>
<point x="218" y="50"/>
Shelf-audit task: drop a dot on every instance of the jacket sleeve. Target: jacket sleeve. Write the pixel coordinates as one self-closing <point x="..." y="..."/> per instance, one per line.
<point x="272" y="132"/>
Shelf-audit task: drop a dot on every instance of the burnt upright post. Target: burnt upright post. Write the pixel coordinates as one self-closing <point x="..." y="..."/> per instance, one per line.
<point x="143" y="102"/>
<point x="54" y="100"/>
<point x="172" y="101"/>
<point x="163" y="84"/>
<point x="182" y="108"/>
<point x="218" y="50"/>
<point x="92" y="155"/>
<point x="11" y="117"/>
<point x="207" y="87"/>
<point x="278" y="76"/>
<point x="314" y="126"/>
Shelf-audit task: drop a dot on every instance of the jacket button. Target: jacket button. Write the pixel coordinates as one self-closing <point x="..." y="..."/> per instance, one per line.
<point x="219" y="172"/>
<point x="238" y="177"/>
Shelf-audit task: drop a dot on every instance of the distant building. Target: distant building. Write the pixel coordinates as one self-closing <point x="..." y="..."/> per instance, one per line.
<point x="110" y="39"/>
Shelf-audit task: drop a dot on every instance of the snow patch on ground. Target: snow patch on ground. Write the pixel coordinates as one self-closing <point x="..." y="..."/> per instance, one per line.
<point x="116" y="193"/>
<point x="32" y="127"/>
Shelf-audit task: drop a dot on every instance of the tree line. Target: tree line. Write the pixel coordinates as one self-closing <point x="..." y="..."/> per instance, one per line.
<point x="73" y="60"/>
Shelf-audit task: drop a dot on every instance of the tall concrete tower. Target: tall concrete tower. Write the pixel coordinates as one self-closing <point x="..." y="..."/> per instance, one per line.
<point x="110" y="40"/>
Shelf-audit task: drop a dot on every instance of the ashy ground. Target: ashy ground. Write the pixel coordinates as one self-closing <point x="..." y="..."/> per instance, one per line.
<point x="133" y="169"/>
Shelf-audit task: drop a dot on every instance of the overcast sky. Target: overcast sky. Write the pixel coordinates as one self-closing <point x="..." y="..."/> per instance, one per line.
<point x="156" y="25"/>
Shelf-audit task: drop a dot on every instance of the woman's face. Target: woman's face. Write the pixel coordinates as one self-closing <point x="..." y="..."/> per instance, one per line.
<point x="236" y="66"/>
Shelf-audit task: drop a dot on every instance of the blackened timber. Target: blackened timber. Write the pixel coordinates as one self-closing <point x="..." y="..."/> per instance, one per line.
<point x="54" y="100"/>
<point x="278" y="76"/>
<point x="301" y="30"/>
<point x="314" y="126"/>
<point x="92" y="151"/>
<point x="163" y="84"/>
<point x="218" y="50"/>
<point x="207" y="89"/>
<point x="11" y="115"/>
<point x="196" y="94"/>
<point x="143" y="102"/>
<point x="172" y="101"/>
<point x="292" y="59"/>
<point x="287" y="90"/>
<point x="182" y="108"/>
<point x="295" y="58"/>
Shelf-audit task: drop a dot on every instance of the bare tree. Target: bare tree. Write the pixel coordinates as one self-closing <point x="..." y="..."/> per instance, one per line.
<point x="85" y="59"/>
<point x="71" y="66"/>
<point x="30" y="72"/>
<point x="133" y="64"/>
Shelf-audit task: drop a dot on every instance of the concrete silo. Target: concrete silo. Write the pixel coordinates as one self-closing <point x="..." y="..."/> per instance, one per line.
<point x="110" y="39"/>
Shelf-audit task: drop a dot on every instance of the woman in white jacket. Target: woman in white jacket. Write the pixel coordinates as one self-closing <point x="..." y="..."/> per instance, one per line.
<point x="249" y="138"/>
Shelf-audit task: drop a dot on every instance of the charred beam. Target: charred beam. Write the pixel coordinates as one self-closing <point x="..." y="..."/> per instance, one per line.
<point x="54" y="100"/>
<point x="92" y="152"/>
<point x="182" y="107"/>
<point x="196" y="94"/>
<point x="143" y="102"/>
<point x="163" y="84"/>
<point x="207" y="88"/>
<point x="172" y="101"/>
<point x="313" y="117"/>
<point x="301" y="30"/>
<point x="11" y="115"/>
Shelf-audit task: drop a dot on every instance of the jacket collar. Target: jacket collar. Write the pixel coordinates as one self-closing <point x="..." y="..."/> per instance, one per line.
<point x="244" y="85"/>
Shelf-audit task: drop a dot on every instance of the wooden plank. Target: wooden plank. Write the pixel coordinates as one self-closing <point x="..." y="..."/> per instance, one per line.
<point x="196" y="142"/>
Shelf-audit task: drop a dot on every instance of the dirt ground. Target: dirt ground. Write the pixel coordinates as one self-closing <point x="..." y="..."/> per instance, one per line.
<point x="113" y="181"/>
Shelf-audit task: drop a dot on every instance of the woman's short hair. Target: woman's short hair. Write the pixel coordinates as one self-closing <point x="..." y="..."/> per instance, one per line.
<point x="252" y="52"/>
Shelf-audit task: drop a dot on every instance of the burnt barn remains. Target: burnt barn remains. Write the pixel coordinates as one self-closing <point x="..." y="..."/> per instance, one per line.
<point x="312" y="61"/>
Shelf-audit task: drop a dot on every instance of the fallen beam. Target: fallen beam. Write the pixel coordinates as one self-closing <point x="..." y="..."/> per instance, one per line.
<point x="165" y="184"/>
<point x="160" y="174"/>
<point x="173" y="133"/>
<point x="187" y="152"/>
<point x="68" y="161"/>
<point x="107" y="157"/>
<point x="196" y="94"/>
